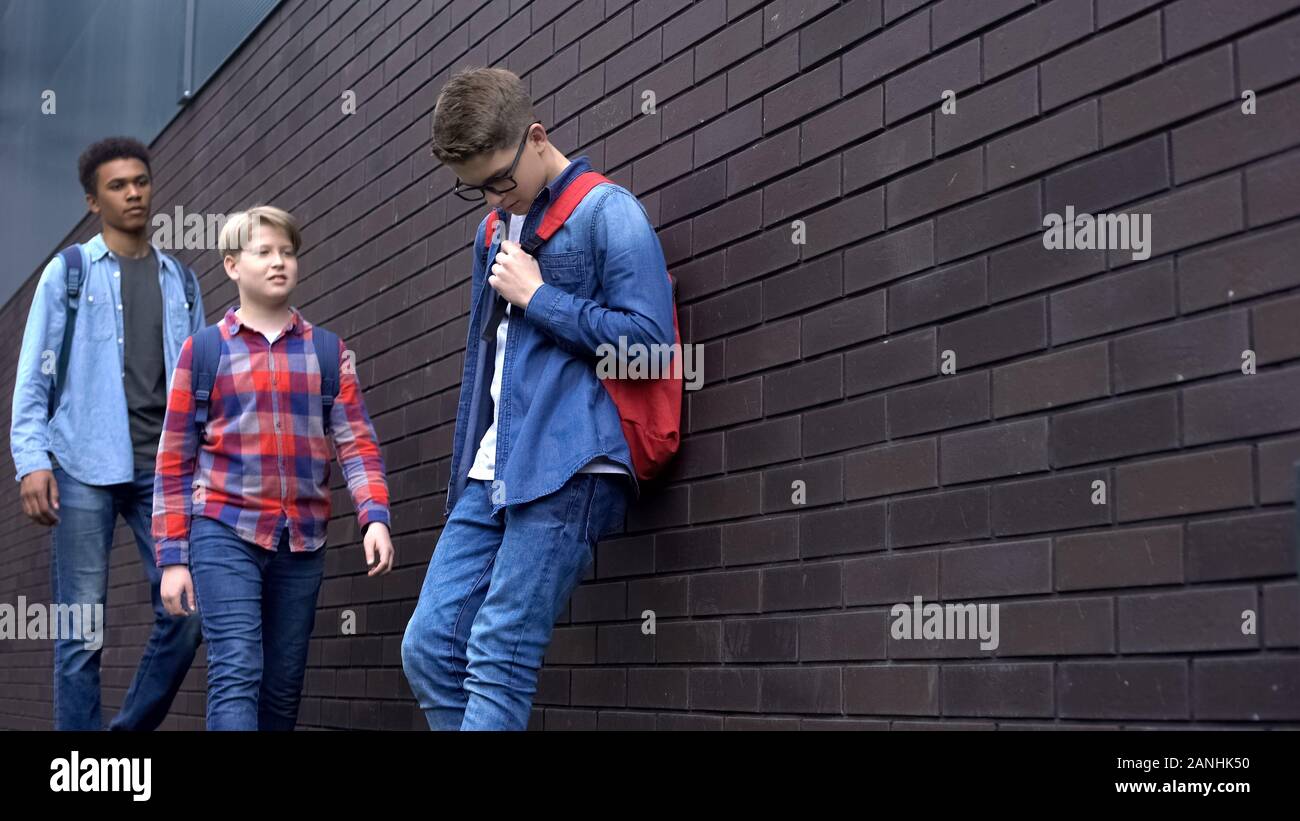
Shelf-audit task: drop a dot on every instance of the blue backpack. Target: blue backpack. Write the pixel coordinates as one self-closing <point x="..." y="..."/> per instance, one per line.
<point x="72" y="266"/>
<point x="206" y="349"/>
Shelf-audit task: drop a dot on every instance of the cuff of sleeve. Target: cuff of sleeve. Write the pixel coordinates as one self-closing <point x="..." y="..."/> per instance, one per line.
<point x="30" y="462"/>
<point x="173" y="551"/>
<point x="541" y="307"/>
<point x="372" y="512"/>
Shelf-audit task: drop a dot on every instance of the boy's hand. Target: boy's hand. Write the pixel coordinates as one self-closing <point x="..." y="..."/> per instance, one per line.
<point x="515" y="275"/>
<point x="40" y="495"/>
<point x="379" y="548"/>
<point x="176" y="583"/>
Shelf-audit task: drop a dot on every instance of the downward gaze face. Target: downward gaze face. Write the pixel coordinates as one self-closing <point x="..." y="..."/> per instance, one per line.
<point x="494" y="169"/>
<point x="123" y="192"/>
<point x="267" y="268"/>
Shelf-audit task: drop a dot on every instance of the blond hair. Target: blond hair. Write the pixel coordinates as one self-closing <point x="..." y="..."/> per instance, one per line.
<point x="238" y="230"/>
<point x="480" y="111"/>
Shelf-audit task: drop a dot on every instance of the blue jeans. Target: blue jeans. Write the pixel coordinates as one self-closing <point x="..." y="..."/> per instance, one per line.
<point x="79" y="575"/>
<point x="258" y="608"/>
<point x="494" y="589"/>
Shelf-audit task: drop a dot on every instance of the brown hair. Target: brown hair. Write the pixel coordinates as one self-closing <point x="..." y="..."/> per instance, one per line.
<point x="479" y="111"/>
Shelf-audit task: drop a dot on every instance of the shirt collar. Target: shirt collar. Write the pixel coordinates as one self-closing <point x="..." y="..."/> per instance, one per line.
<point x="296" y="323"/>
<point x="97" y="249"/>
<point x="555" y="187"/>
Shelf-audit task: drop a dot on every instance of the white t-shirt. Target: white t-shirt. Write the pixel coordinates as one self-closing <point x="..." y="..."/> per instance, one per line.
<point x="484" y="466"/>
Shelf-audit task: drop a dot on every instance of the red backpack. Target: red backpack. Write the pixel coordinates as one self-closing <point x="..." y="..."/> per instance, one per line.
<point x="650" y="409"/>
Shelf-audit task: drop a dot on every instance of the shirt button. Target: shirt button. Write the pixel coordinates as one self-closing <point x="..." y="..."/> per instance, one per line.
<point x="119" y="306"/>
<point x="90" y="298"/>
<point x="117" y="273"/>
<point x="119" y="340"/>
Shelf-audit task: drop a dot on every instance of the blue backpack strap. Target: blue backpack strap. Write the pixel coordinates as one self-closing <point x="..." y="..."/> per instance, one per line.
<point x="73" y="270"/>
<point x="327" y="356"/>
<point x="206" y="350"/>
<point x="191" y="281"/>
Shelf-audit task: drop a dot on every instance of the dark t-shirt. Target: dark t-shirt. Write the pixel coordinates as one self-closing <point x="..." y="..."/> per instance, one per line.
<point x="145" y="381"/>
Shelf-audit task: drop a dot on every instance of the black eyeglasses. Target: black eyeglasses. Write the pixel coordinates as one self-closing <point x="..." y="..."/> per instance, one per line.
<point x="475" y="192"/>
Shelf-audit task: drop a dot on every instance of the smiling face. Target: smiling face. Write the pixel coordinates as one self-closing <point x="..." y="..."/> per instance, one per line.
<point x="266" y="270"/>
<point x="123" y="193"/>
<point x="530" y="172"/>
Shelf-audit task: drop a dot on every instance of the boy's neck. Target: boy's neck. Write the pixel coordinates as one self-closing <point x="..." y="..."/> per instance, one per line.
<point x="261" y="317"/>
<point x="126" y="244"/>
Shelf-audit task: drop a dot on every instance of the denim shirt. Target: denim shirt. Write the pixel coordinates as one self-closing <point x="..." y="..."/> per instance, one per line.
<point x="90" y="431"/>
<point x="603" y="277"/>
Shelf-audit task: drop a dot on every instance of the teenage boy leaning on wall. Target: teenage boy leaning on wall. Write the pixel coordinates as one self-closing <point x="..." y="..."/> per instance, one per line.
<point x="540" y="466"/>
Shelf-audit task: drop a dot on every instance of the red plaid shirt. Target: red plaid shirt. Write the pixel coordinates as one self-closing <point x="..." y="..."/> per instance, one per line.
<point x="264" y="462"/>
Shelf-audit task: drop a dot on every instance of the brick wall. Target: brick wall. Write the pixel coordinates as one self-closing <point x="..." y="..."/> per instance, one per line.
<point x="824" y="351"/>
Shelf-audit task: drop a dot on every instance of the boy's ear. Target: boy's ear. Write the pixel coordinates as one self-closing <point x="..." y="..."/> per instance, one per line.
<point x="228" y="262"/>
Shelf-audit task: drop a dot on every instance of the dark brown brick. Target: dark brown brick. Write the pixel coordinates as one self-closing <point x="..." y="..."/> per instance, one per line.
<point x="844" y="322"/>
<point x="994" y="220"/>
<point x="890" y="469"/>
<point x="1187" y="620"/>
<point x="1241" y="547"/>
<point x="989" y="452"/>
<point x="1256" y="264"/>
<point x="1277" y="334"/>
<point x="952" y="290"/>
<point x="945" y="403"/>
<point x="803" y="385"/>
<point x="858" y="636"/>
<point x="842" y="529"/>
<point x="802" y="587"/>
<point x="1190" y="24"/>
<point x="1105" y="59"/>
<point x="1254" y="689"/>
<point x="1019" y="690"/>
<point x="801" y="690"/>
<point x="1050" y="503"/>
<point x="1115" y="429"/>
<point x="777" y="440"/>
<point x="1179" y="485"/>
<point x="728" y="688"/>
<point x="1113" y="178"/>
<point x="730" y="592"/>
<point x="1130" y="557"/>
<point x="1053" y="380"/>
<point x="891" y="578"/>
<point x="1183" y="89"/>
<point x="1123" y="689"/>
<point x="1056" y="627"/>
<point x="892" y="689"/>
<point x="1230" y="138"/>
<point x="989" y="110"/>
<point x="755" y="640"/>
<point x="1030" y="36"/>
<point x="917" y="88"/>
<point x="1027" y="266"/>
<point x="934" y="187"/>
<point x="848" y="425"/>
<point x="939" y="517"/>
<point x="1277" y="470"/>
<point x="761" y="540"/>
<point x="901" y="146"/>
<point x="1124" y="300"/>
<point x="896" y="46"/>
<point x="889" y="362"/>
<point x="821" y="483"/>
<point x="725" y="498"/>
<point x="1180" y="351"/>
<point x="1244" y="405"/>
<point x="999" y="333"/>
<point x="1044" y="144"/>
<point x="1004" y="569"/>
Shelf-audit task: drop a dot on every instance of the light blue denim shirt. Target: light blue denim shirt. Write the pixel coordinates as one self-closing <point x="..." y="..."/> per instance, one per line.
<point x="604" y="277"/>
<point x="89" y="433"/>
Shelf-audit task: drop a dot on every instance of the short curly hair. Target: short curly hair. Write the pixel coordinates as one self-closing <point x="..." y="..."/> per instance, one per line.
<point x="107" y="150"/>
<point x="479" y="111"/>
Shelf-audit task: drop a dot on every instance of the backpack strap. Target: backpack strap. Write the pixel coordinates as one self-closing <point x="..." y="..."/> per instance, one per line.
<point x="72" y="268"/>
<point x="327" y="357"/>
<point x="191" y="282"/>
<point x="557" y="213"/>
<point x="206" y="350"/>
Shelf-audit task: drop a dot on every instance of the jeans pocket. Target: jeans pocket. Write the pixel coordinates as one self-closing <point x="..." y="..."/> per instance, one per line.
<point x="608" y="506"/>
